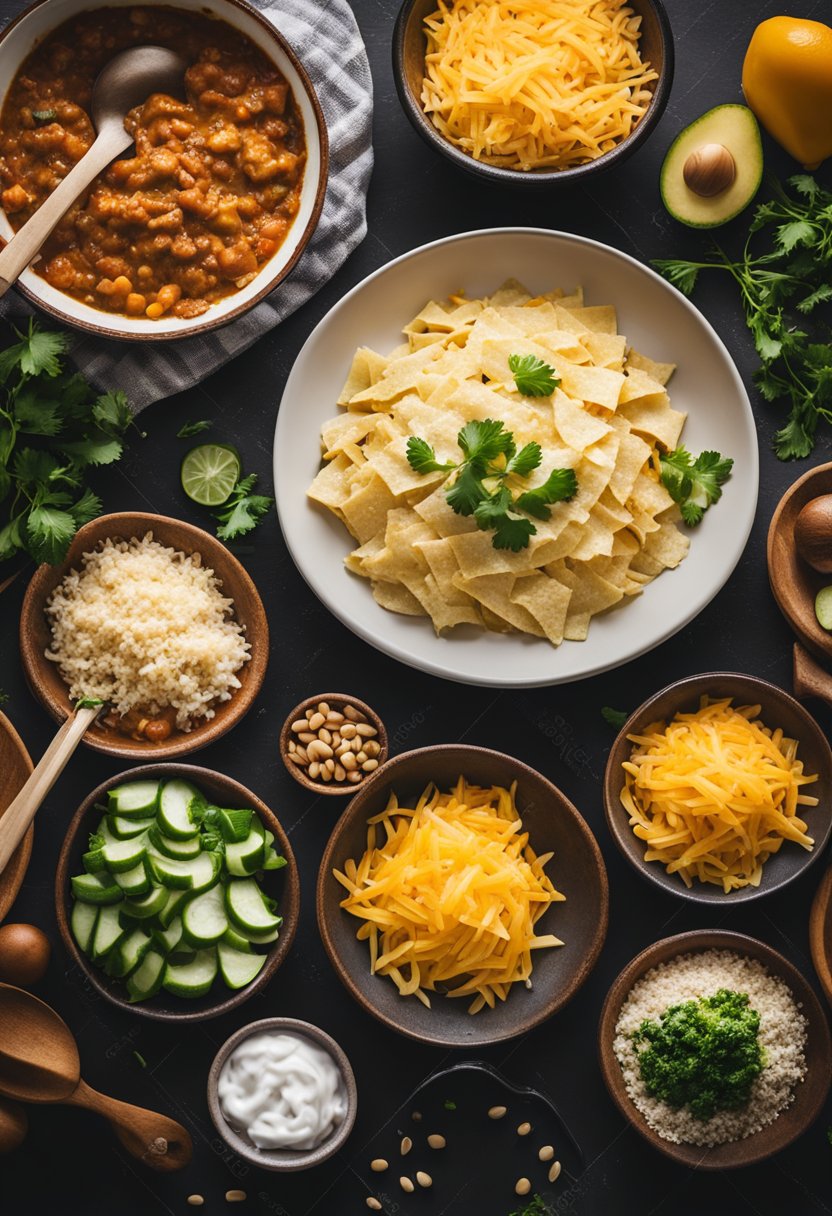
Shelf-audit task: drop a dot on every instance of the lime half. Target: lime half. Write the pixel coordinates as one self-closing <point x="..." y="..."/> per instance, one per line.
<point x="209" y="473"/>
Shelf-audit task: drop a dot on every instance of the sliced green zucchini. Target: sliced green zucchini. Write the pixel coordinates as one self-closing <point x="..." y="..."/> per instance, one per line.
<point x="262" y="939"/>
<point x="166" y="940"/>
<point x="175" y="803"/>
<point x="128" y="953"/>
<point x="232" y="937"/>
<point x="245" y="856"/>
<point x="234" y="825"/>
<point x="136" y="882"/>
<point x="173" y="908"/>
<point x="272" y="860"/>
<point x="147" y="905"/>
<point x="135" y="800"/>
<point x="238" y="968"/>
<point x="82" y="920"/>
<point x="180" y="849"/>
<point x="196" y="874"/>
<point x="192" y="978"/>
<point x="247" y="906"/>
<point x="146" y="980"/>
<point x="98" y="888"/>
<point x="121" y="855"/>
<point x="204" y="919"/>
<point x="124" y="829"/>
<point x="108" y="932"/>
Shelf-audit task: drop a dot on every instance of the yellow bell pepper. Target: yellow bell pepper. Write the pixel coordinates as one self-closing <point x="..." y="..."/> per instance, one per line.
<point x="787" y="81"/>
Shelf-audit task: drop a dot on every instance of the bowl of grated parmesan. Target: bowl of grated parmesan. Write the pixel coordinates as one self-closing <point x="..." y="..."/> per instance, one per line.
<point x="155" y="618"/>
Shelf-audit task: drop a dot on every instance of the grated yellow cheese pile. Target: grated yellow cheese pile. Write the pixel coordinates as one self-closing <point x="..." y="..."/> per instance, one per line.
<point x="535" y="84"/>
<point x="715" y="793"/>
<point x="449" y="892"/>
<point x="146" y="627"/>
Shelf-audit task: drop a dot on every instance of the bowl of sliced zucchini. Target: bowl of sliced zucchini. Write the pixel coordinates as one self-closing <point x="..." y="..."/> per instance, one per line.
<point x="177" y="892"/>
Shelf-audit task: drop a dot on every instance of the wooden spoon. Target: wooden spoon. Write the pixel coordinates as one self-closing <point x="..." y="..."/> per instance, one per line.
<point x="809" y="679"/>
<point x="39" y="1062"/>
<point x="126" y="81"/>
<point x="22" y="810"/>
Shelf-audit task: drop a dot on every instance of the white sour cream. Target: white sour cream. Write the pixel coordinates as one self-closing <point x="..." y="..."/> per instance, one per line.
<point x="283" y="1090"/>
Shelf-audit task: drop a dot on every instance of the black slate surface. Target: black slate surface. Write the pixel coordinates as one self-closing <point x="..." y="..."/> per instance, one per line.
<point x="71" y="1163"/>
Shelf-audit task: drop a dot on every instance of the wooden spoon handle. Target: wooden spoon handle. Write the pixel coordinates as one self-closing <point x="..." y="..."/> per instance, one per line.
<point x="27" y="241"/>
<point x="156" y="1140"/>
<point x="808" y="677"/>
<point x="21" y="811"/>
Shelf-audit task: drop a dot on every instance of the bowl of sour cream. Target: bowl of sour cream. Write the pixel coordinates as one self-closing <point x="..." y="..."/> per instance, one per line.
<point x="282" y="1094"/>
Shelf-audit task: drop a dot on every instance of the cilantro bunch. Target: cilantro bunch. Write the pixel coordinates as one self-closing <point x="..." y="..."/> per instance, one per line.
<point x="53" y="430"/>
<point x="242" y="511"/>
<point x="481" y="484"/>
<point x="694" y="484"/>
<point x="782" y="288"/>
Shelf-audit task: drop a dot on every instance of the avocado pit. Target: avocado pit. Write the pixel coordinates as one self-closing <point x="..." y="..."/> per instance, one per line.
<point x="709" y="170"/>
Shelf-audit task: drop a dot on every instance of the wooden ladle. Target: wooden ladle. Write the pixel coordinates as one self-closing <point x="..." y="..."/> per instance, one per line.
<point x="39" y="1062"/>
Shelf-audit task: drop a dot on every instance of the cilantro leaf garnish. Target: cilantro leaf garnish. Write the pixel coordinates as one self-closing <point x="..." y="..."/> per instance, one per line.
<point x="532" y="377"/>
<point x="242" y="511"/>
<point x="194" y="428"/>
<point x="481" y="483"/>
<point x="614" y="717"/>
<point x="694" y="484"/>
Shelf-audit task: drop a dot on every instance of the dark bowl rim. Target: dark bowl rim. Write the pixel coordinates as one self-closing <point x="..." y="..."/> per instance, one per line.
<point x="583" y="968"/>
<point x="709" y="896"/>
<point x="818" y="645"/>
<point x="304" y="1159"/>
<point x="290" y="901"/>
<point x="543" y="177"/>
<point x="693" y="942"/>
<point x="204" y="733"/>
<point x="105" y="331"/>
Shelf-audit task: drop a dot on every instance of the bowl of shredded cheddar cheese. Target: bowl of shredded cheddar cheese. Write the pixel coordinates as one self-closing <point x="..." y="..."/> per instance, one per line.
<point x="462" y="898"/>
<point x="533" y="91"/>
<point x="717" y="788"/>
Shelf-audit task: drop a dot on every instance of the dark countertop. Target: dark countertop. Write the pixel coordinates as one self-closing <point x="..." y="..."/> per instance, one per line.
<point x="71" y="1163"/>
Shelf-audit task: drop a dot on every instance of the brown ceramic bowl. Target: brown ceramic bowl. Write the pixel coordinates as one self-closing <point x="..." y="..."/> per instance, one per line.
<point x="794" y="583"/>
<point x="809" y="1096"/>
<point x="283" y="1160"/>
<point x="335" y="700"/>
<point x="45" y="680"/>
<point x="778" y="709"/>
<point x="15" y="767"/>
<point x="29" y="28"/>
<point x="577" y="869"/>
<point x="282" y="885"/>
<point x="409" y="48"/>
<point x="820" y="933"/>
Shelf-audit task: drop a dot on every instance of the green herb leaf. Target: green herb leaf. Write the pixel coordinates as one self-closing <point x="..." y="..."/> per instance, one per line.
<point x="87" y="507"/>
<point x="49" y="532"/>
<point x="694" y="484"/>
<point x="37" y="353"/>
<point x="485" y="441"/>
<point x="532" y="377"/>
<point x="526" y="460"/>
<point x="97" y="449"/>
<point x="614" y="717"/>
<point x="422" y="458"/>
<point x="682" y="275"/>
<point x="449" y="1104"/>
<point x="194" y="428"/>
<point x="467" y="491"/>
<point x="89" y="703"/>
<point x="36" y="414"/>
<point x="513" y="532"/>
<point x="559" y="486"/>
<point x="799" y="232"/>
<point x="112" y="413"/>
<point x="242" y="512"/>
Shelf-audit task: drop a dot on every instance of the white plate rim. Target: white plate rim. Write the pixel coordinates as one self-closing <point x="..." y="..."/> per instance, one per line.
<point x="411" y="658"/>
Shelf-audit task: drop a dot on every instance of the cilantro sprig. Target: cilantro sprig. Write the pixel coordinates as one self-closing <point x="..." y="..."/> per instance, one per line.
<point x="786" y="290"/>
<point x="242" y="511"/>
<point x="694" y="484"/>
<point x="532" y="377"/>
<point x="53" y="430"/>
<point x="482" y="481"/>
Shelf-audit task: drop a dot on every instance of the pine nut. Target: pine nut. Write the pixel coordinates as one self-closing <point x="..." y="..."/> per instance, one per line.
<point x="196" y="1201"/>
<point x="372" y="748"/>
<point x="406" y="1184"/>
<point x="354" y="776"/>
<point x="307" y="736"/>
<point x="554" y="1172"/>
<point x="361" y="756"/>
<point x="336" y="739"/>
<point x="235" y="1196"/>
<point x="325" y="774"/>
<point x="416" y="1116"/>
<point x="324" y="735"/>
<point x="323" y="708"/>
<point x="546" y="1153"/>
<point x="406" y="1145"/>
<point x="349" y="761"/>
<point x="366" y="730"/>
<point x="348" y="730"/>
<point x="354" y="715"/>
<point x="436" y="1141"/>
<point x="333" y="718"/>
<point x="370" y="766"/>
<point x="340" y="775"/>
<point x="522" y="1186"/>
<point x="379" y="1165"/>
<point x="373" y="1203"/>
<point x="423" y="1179"/>
<point x="524" y="1129"/>
<point x="300" y="724"/>
<point x="329" y="765"/>
<point x="314" y="769"/>
<point x="319" y="750"/>
<point x="302" y="755"/>
<point x="296" y="760"/>
<point x="292" y="745"/>
<point x="317" y="720"/>
<point x="497" y="1112"/>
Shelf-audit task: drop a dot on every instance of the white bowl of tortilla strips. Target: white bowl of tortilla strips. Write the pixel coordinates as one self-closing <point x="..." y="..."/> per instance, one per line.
<point x="477" y="459"/>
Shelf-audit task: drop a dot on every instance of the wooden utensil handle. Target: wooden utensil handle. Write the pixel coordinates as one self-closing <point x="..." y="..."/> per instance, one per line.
<point x="157" y="1141"/>
<point x="20" y="813"/>
<point x="808" y="677"/>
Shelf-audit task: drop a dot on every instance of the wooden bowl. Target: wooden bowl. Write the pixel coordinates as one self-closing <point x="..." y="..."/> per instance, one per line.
<point x="810" y="1095"/>
<point x="794" y="583"/>
<point x="577" y="870"/>
<point x="15" y="767"/>
<point x="282" y="885"/>
<point x="820" y="933"/>
<point x="283" y="1161"/>
<point x="778" y="709"/>
<point x="336" y="700"/>
<point x="45" y="680"/>
<point x="409" y="49"/>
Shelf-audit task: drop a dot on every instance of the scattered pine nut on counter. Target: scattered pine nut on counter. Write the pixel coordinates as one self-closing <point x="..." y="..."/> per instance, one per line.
<point x="497" y="1112"/>
<point x="436" y="1141"/>
<point x="335" y="745"/>
<point x="235" y="1196"/>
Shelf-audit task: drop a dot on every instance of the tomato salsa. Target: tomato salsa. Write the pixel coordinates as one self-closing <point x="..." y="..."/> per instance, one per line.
<point x="213" y="184"/>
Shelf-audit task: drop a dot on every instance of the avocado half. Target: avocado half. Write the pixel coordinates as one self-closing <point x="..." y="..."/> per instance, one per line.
<point x="733" y="127"/>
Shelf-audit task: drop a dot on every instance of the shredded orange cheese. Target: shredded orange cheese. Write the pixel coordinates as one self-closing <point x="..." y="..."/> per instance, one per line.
<point x="714" y="794"/>
<point x="449" y="892"/>
<point x="534" y="84"/>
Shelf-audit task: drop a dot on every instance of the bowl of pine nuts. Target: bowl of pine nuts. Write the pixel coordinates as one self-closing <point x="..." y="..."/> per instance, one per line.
<point x="332" y="742"/>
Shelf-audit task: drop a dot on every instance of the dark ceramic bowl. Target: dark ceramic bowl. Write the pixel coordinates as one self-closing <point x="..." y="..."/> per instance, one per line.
<point x="282" y="885"/>
<point x="409" y="49"/>
<point x="577" y="869"/>
<point x="777" y="709"/>
<point x="337" y="701"/>
<point x="283" y="1160"/>
<point x="809" y="1097"/>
